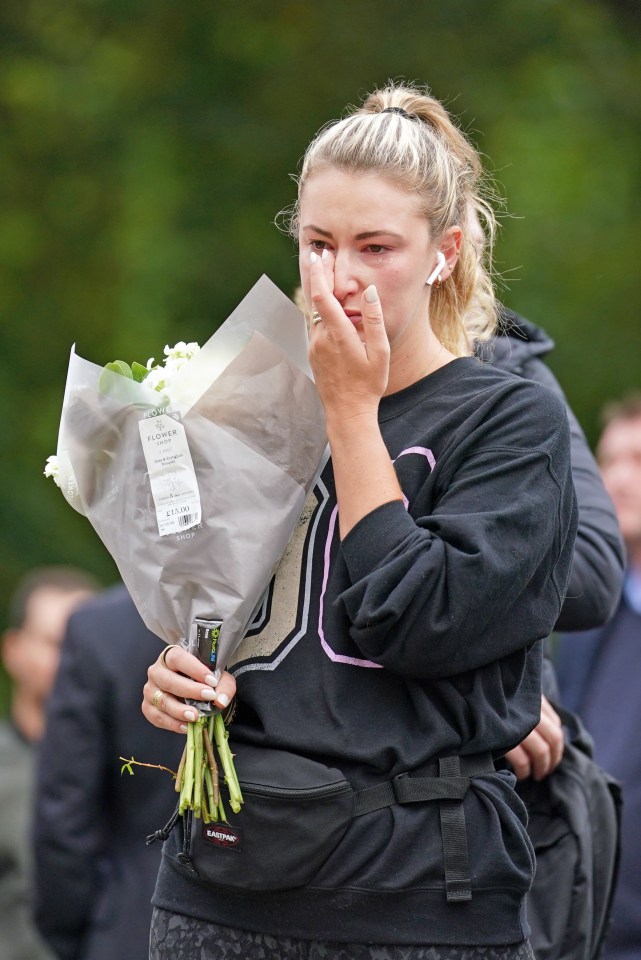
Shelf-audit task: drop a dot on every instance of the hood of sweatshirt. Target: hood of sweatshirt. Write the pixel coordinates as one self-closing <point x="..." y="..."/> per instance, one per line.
<point x="516" y="342"/>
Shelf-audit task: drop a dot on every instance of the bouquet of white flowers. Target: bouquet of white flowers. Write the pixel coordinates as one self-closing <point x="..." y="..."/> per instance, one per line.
<point x="193" y="474"/>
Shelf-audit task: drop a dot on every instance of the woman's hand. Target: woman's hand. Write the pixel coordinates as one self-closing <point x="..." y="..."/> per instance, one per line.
<point x="351" y="370"/>
<point x="351" y="377"/>
<point x="542" y="750"/>
<point x="175" y="676"/>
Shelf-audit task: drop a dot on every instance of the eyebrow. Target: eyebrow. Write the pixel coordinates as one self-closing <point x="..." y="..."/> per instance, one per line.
<point x="367" y="235"/>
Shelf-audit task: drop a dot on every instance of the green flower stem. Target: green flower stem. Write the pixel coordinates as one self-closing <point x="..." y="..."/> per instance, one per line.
<point x="197" y="748"/>
<point x="186" y="793"/>
<point x="212" y="766"/>
<point x="227" y="760"/>
<point x="197" y="779"/>
<point x="181" y="769"/>
<point x="211" y="800"/>
<point x="204" y="800"/>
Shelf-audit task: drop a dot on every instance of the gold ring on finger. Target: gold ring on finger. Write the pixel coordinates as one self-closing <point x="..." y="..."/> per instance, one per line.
<point x="162" y="659"/>
<point x="157" y="697"/>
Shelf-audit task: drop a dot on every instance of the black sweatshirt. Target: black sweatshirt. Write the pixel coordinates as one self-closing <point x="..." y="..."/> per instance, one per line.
<point x="418" y="636"/>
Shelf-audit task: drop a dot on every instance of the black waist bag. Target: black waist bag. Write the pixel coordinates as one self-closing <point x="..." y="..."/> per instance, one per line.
<point x="296" y="811"/>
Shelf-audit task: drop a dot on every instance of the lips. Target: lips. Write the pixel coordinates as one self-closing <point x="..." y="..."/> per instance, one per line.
<point x="353" y="315"/>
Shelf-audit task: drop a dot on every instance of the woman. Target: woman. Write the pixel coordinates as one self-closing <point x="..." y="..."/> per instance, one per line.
<point x="406" y="622"/>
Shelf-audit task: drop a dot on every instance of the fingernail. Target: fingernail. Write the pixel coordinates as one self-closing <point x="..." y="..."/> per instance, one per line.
<point x="371" y="294"/>
<point x="324" y="255"/>
<point x="207" y="693"/>
<point x="184" y="728"/>
<point x="313" y="257"/>
<point x="213" y="678"/>
<point x="189" y="715"/>
<point x="223" y="699"/>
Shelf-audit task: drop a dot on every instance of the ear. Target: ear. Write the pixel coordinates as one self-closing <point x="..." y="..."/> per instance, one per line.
<point x="10" y="651"/>
<point x="451" y="249"/>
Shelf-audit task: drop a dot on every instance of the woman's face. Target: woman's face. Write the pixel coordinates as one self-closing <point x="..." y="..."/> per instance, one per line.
<point x="374" y="233"/>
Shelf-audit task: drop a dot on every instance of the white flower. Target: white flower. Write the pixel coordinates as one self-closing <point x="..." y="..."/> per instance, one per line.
<point x="182" y="351"/>
<point x="156" y="379"/>
<point x="52" y="469"/>
<point x="160" y="377"/>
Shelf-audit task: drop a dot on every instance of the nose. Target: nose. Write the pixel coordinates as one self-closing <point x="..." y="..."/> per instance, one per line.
<point x="346" y="280"/>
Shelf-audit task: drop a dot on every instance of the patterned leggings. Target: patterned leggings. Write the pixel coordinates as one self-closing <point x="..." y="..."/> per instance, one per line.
<point x="175" y="937"/>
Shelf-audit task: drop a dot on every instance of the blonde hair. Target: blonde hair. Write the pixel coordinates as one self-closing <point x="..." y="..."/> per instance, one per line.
<point x="419" y="148"/>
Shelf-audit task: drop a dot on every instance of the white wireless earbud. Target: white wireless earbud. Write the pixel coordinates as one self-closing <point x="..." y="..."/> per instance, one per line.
<point x="436" y="272"/>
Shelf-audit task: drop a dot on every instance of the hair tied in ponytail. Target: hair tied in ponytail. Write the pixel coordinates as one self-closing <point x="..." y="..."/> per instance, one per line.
<point x="401" y="112"/>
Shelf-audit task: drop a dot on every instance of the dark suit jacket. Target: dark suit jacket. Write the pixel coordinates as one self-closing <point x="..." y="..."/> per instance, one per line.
<point x="94" y="873"/>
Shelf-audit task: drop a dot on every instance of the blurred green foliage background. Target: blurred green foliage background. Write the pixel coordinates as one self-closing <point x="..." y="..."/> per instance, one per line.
<point x="146" y="147"/>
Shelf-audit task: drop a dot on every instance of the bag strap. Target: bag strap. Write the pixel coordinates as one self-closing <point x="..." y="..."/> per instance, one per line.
<point x="164" y="832"/>
<point x="448" y="785"/>
<point x="458" y="884"/>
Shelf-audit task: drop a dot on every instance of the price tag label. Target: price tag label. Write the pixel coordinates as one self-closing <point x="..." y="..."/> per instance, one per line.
<point x="174" y="487"/>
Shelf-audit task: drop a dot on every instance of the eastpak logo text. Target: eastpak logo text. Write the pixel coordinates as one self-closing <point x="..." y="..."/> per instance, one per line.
<point x="222" y="835"/>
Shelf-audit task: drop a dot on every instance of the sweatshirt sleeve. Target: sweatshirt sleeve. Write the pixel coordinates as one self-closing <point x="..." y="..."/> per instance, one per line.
<point x="69" y="796"/>
<point x="598" y="564"/>
<point x="483" y="574"/>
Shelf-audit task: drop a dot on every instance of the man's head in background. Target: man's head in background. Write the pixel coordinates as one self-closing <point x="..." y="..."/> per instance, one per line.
<point x="619" y="456"/>
<point x="30" y="646"/>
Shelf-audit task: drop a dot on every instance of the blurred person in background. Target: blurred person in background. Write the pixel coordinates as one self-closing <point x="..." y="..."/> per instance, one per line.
<point x="599" y="671"/>
<point x="598" y="563"/>
<point x="37" y="616"/>
<point x="520" y="347"/>
<point x="591" y="597"/>
<point x="95" y="874"/>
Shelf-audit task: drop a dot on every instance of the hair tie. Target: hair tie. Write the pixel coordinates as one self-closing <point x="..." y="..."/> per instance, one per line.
<point x="401" y="112"/>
